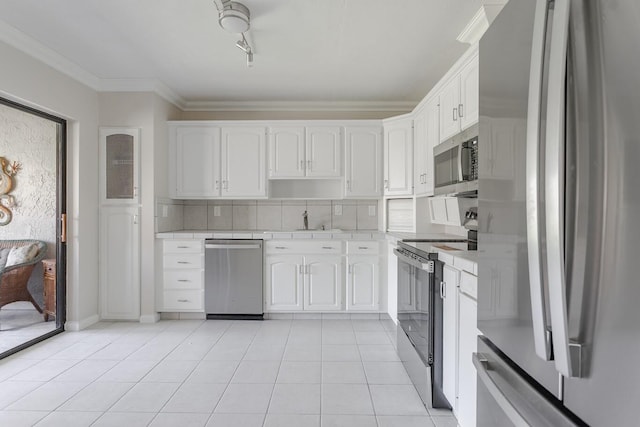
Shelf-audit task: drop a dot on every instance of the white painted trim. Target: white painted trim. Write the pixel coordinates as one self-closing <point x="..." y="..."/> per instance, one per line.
<point x="480" y="22"/>
<point x="391" y="106"/>
<point x="81" y="324"/>
<point x="30" y="46"/>
<point x="150" y="318"/>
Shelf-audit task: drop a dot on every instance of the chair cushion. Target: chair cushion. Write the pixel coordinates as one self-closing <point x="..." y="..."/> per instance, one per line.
<point x="4" y="254"/>
<point x="22" y="254"/>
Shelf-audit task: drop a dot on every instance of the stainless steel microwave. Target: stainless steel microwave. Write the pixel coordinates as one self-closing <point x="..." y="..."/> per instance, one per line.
<point x="456" y="166"/>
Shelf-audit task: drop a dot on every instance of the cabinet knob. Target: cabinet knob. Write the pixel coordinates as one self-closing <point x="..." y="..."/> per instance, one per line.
<point x="183" y="262"/>
<point x="183" y="300"/>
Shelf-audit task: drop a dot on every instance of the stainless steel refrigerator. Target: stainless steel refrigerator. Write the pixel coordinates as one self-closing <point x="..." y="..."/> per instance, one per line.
<point x="559" y="205"/>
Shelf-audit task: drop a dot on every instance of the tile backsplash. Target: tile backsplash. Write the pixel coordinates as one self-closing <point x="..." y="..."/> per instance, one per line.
<point x="270" y="215"/>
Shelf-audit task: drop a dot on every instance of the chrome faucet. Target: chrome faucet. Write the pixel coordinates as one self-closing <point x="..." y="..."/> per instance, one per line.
<point x="305" y="218"/>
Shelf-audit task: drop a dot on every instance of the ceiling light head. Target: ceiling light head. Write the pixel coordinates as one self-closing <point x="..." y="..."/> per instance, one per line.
<point x="234" y="17"/>
<point x="249" y="59"/>
<point x="243" y="45"/>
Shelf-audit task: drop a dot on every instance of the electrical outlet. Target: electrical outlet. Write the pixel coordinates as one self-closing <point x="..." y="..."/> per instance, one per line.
<point x="337" y="210"/>
<point x="372" y="210"/>
<point x="216" y="211"/>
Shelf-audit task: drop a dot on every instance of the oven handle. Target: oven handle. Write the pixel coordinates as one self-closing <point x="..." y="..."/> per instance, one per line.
<point x="422" y="266"/>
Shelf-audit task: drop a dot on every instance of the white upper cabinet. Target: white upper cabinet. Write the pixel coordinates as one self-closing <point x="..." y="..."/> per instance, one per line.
<point x="195" y="161"/>
<point x="426" y="130"/>
<point x="119" y="166"/>
<point x="459" y="100"/>
<point x="243" y="162"/>
<point x="469" y="94"/>
<point x="323" y="151"/>
<point x="398" y="157"/>
<point x="299" y="152"/>
<point x="363" y="162"/>
<point x="286" y="152"/>
<point x="209" y="161"/>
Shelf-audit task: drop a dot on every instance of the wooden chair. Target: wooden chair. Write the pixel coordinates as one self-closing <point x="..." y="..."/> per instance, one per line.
<point x="14" y="279"/>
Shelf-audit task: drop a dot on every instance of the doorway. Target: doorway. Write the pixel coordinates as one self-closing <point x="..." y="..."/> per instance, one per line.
<point x="32" y="226"/>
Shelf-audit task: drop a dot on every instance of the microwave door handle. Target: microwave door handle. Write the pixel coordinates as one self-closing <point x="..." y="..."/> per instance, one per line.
<point x="535" y="215"/>
<point x="460" y="151"/>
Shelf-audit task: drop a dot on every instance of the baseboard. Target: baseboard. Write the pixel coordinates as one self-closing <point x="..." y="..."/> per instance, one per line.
<point x="73" y="325"/>
<point x="150" y="318"/>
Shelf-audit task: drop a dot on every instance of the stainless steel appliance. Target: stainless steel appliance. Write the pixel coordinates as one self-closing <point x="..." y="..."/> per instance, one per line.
<point x="420" y="318"/>
<point x="233" y="279"/>
<point x="558" y="202"/>
<point x="456" y="164"/>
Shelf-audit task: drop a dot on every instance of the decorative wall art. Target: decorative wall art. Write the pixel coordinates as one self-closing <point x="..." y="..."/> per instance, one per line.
<point x="7" y="201"/>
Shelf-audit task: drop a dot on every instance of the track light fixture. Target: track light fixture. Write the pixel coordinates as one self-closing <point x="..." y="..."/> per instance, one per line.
<point x="235" y="18"/>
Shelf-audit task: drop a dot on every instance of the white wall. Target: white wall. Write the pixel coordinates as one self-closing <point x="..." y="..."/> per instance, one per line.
<point x="32" y="83"/>
<point x="149" y="112"/>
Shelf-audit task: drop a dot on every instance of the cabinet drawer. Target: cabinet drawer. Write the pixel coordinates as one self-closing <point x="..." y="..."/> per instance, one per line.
<point x="303" y="247"/>
<point x="183" y="279"/>
<point x="183" y="261"/>
<point x="183" y="301"/>
<point x="370" y="247"/>
<point x="469" y="284"/>
<point x="464" y="264"/>
<point x="183" y="246"/>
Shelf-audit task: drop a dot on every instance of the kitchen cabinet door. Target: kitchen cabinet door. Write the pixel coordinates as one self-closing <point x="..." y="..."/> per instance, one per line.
<point x="195" y="162"/>
<point x="244" y="162"/>
<point x="469" y="94"/>
<point x="119" y="269"/>
<point x="449" y="103"/>
<point x="119" y="166"/>
<point x="286" y="152"/>
<point x="466" y="411"/>
<point x="323" y="151"/>
<point x="284" y="283"/>
<point x="419" y="152"/>
<point x="363" y="162"/>
<point x="426" y="127"/>
<point x="449" y="295"/>
<point x="398" y="162"/>
<point x="323" y="283"/>
<point x="362" y="283"/>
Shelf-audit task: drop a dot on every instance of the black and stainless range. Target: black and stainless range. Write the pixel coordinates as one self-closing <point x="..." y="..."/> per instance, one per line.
<point x="420" y="317"/>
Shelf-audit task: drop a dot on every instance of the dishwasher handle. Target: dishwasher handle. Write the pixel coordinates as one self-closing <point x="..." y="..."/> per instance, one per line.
<point x="230" y="246"/>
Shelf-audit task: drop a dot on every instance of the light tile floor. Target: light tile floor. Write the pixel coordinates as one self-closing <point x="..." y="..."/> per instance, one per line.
<point x="214" y="373"/>
<point x="21" y="322"/>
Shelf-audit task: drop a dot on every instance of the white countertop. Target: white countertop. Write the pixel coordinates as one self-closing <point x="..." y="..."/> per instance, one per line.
<point x="271" y="234"/>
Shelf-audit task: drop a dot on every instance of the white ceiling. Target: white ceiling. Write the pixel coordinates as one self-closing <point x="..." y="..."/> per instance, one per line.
<point x="359" y="51"/>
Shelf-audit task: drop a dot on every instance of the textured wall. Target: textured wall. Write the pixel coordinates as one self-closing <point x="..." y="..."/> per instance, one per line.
<point x="30" y="140"/>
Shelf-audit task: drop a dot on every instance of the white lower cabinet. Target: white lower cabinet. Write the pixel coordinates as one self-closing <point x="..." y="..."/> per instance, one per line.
<point x="449" y="295"/>
<point x="119" y="263"/>
<point x="460" y="335"/>
<point x="323" y="283"/>
<point x="297" y="282"/>
<point x="284" y="282"/>
<point x="363" y="282"/>
<point x="467" y="345"/>
<point x="182" y="276"/>
<point x="310" y="275"/>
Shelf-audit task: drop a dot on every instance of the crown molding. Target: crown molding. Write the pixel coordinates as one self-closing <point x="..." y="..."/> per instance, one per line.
<point x="480" y="22"/>
<point x="391" y="106"/>
<point x="37" y="50"/>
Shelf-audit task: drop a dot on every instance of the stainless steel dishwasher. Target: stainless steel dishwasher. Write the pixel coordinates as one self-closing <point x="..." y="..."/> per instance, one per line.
<point x="233" y="279"/>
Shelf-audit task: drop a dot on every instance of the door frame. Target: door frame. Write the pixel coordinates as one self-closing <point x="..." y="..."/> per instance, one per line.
<point x="61" y="227"/>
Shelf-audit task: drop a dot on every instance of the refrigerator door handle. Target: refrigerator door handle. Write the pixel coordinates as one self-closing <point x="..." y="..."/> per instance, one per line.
<point x="482" y="367"/>
<point x="535" y="215"/>
<point x="555" y="191"/>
